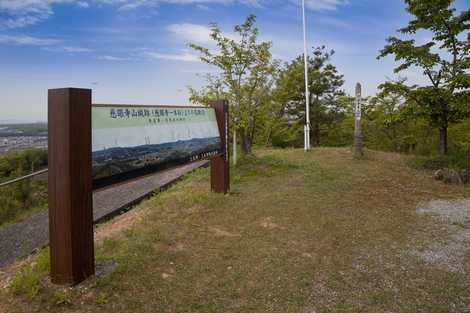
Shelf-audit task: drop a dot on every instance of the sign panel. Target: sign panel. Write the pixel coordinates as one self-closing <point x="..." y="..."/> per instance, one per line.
<point x="129" y="141"/>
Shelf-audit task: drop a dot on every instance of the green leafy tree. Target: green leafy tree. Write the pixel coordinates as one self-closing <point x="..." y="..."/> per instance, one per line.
<point x="444" y="60"/>
<point x="337" y="124"/>
<point x="246" y="77"/>
<point x="385" y="111"/>
<point x="325" y="89"/>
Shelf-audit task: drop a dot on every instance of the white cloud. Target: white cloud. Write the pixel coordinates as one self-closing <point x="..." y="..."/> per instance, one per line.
<point x="83" y="4"/>
<point x="22" y="13"/>
<point x="191" y="32"/>
<point x="27" y="40"/>
<point x="195" y="33"/>
<point x="68" y="49"/>
<point x="112" y="58"/>
<point x="322" y="5"/>
<point x="334" y="22"/>
<point x="203" y="7"/>
<point x="77" y="49"/>
<point x="184" y="55"/>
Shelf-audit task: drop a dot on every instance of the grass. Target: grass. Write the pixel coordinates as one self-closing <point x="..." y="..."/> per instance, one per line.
<point x="27" y="281"/>
<point x="18" y="216"/>
<point x="14" y="210"/>
<point x="300" y="232"/>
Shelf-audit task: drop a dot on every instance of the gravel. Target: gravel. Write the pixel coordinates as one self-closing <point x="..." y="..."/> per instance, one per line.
<point x="448" y="253"/>
<point x="453" y="211"/>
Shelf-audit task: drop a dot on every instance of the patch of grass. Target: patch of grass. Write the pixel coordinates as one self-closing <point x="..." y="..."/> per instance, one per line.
<point x="18" y="216"/>
<point x="22" y="200"/>
<point x="101" y="299"/>
<point x="61" y="297"/>
<point x="299" y="232"/>
<point x="28" y="281"/>
<point x="265" y="166"/>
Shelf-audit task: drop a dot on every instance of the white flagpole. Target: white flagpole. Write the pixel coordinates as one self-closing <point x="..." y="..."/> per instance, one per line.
<point x="307" y="97"/>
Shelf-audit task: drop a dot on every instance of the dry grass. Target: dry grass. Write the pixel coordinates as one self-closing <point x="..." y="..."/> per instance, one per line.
<point x="316" y="232"/>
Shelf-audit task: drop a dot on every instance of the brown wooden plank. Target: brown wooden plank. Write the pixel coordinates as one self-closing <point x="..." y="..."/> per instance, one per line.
<point x="70" y="185"/>
<point x="220" y="169"/>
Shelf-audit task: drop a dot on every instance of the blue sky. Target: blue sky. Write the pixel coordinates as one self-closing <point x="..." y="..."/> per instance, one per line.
<point x="135" y="51"/>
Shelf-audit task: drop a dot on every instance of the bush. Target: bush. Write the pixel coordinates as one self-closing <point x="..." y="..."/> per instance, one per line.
<point x="22" y="198"/>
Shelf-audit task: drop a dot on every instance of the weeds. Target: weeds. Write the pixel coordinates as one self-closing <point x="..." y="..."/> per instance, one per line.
<point x="28" y="281"/>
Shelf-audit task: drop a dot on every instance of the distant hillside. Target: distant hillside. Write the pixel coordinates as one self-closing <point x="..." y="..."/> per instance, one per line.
<point x="28" y="129"/>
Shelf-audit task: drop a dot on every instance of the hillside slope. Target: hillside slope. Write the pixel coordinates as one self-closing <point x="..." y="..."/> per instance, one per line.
<point x="300" y="232"/>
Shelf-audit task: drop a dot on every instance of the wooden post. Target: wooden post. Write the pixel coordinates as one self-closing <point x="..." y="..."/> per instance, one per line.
<point x="220" y="172"/>
<point x="70" y="185"/>
<point x="357" y="124"/>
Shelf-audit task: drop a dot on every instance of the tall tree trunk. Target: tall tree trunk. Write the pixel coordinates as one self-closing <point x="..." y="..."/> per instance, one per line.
<point x="443" y="140"/>
<point x="315" y="131"/>
<point x="245" y="142"/>
<point x="314" y="122"/>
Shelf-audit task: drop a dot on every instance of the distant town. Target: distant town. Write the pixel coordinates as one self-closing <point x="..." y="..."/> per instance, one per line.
<point x="23" y="136"/>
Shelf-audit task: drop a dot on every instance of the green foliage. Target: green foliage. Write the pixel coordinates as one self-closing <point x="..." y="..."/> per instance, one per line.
<point x="337" y="123"/>
<point x="246" y="78"/>
<point x="17" y="163"/>
<point x="61" y="297"/>
<point x="27" y="282"/>
<point x="389" y="125"/>
<point x="268" y="100"/>
<point x="287" y="135"/>
<point x="326" y="108"/>
<point x="455" y="160"/>
<point x="101" y="299"/>
<point x="21" y="198"/>
<point x="444" y="61"/>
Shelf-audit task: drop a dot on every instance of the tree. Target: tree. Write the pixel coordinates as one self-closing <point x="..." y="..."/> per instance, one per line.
<point x="246" y="77"/>
<point x="324" y="86"/>
<point x="444" y="61"/>
<point x="385" y="112"/>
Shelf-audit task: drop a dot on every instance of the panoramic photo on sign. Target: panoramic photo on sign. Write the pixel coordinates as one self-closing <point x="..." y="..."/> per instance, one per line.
<point x="129" y="141"/>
